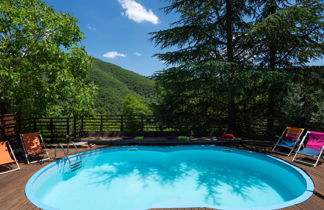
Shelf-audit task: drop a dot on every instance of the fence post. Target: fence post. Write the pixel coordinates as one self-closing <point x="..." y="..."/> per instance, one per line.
<point x="81" y="126"/>
<point x="3" y="127"/>
<point x="35" y="125"/>
<point x="74" y="127"/>
<point x="122" y="123"/>
<point x="101" y="124"/>
<point x="142" y="123"/>
<point x="67" y="126"/>
<point x="18" y="123"/>
<point x="52" y="129"/>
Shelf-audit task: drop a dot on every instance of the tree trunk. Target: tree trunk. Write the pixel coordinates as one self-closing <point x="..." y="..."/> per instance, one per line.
<point x="230" y="58"/>
<point x="229" y="30"/>
<point x="271" y="98"/>
<point x="4" y="107"/>
<point x="272" y="67"/>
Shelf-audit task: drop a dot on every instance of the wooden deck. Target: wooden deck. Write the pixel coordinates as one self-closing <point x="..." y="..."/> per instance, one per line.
<point x="12" y="184"/>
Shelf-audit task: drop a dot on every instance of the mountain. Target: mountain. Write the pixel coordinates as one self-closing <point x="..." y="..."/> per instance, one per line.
<point x="115" y="83"/>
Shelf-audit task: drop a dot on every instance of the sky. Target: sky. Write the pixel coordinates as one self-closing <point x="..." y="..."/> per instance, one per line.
<point x="116" y="31"/>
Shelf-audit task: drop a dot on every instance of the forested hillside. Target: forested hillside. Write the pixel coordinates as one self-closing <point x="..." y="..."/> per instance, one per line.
<point x="115" y="83"/>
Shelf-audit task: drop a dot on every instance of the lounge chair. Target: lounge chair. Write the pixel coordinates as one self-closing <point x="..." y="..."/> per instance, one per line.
<point x="33" y="145"/>
<point x="5" y="158"/>
<point x="313" y="148"/>
<point x="289" y="140"/>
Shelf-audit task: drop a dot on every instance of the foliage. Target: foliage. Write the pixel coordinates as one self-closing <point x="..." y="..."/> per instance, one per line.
<point x="206" y="30"/>
<point x="287" y="33"/>
<point x="304" y="102"/>
<point x="196" y="95"/>
<point x="42" y="67"/>
<point x="193" y="97"/>
<point x="257" y="38"/>
<point x="115" y="83"/>
<point x="133" y="106"/>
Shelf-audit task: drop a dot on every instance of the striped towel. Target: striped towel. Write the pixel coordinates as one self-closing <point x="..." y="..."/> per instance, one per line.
<point x="293" y="133"/>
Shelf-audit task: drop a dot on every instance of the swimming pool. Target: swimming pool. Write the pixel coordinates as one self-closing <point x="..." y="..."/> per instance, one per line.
<point x="143" y="177"/>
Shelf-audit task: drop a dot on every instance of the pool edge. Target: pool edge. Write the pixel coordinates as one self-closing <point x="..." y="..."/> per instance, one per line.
<point x="310" y="187"/>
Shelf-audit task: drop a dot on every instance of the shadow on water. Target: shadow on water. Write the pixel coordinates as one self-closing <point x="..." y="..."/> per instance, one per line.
<point x="167" y="171"/>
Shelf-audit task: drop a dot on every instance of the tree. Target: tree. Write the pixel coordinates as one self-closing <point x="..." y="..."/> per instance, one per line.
<point x="207" y="30"/>
<point x="43" y="69"/>
<point x="193" y="96"/>
<point x="285" y="33"/>
<point x="303" y="104"/>
<point x="256" y="44"/>
<point x="133" y="108"/>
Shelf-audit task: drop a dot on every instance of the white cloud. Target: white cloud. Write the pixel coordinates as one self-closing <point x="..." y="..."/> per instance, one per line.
<point x="136" y="12"/>
<point x="137" y="54"/>
<point x="113" y="54"/>
<point x="91" y="28"/>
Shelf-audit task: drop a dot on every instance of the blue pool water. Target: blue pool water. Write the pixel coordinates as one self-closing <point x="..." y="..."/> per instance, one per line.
<point x="138" y="178"/>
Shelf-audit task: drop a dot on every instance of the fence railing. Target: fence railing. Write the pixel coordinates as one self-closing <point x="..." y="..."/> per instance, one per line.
<point x="57" y="129"/>
<point x="8" y="124"/>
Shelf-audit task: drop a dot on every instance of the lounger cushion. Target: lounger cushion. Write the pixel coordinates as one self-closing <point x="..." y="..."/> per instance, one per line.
<point x="285" y="143"/>
<point x="183" y="138"/>
<point x="127" y="137"/>
<point x="228" y="136"/>
<point x="139" y="138"/>
<point x="309" y="151"/>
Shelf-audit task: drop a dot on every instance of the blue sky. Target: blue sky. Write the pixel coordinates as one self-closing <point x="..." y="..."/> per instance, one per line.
<point x="116" y="31"/>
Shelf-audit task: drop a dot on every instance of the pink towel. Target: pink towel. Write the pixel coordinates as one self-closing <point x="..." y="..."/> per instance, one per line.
<point x="315" y="140"/>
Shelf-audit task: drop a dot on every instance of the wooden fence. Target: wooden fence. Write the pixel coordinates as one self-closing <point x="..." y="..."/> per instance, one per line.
<point x="58" y="129"/>
<point x="8" y="125"/>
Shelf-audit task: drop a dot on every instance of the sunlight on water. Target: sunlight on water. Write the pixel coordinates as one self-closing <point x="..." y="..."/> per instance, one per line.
<point x="142" y="179"/>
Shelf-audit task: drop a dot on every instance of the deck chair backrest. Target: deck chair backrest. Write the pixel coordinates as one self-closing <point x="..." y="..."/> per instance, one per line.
<point x="293" y="133"/>
<point x="5" y="154"/>
<point x="315" y="140"/>
<point x="32" y="143"/>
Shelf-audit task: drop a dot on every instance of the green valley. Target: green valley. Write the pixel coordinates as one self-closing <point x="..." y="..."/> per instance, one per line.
<point x="115" y="83"/>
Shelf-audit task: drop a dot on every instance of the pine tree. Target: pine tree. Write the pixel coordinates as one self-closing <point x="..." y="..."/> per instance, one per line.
<point x="206" y="30"/>
<point x="285" y="33"/>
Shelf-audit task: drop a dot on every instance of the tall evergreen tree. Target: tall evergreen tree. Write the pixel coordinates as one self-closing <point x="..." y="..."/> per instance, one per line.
<point x="286" y="33"/>
<point x="206" y="30"/>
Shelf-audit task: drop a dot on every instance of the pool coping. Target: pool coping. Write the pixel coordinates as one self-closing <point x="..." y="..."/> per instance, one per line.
<point x="306" y="195"/>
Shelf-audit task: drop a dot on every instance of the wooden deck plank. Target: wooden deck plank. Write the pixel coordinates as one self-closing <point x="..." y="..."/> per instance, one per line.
<point x="12" y="184"/>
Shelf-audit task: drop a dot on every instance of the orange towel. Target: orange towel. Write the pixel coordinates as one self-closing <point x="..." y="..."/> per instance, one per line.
<point x="5" y="154"/>
<point x="32" y="143"/>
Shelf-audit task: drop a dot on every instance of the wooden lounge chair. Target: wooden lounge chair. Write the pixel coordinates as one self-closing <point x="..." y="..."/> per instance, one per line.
<point x="5" y="158"/>
<point x="314" y="147"/>
<point x="33" y="145"/>
<point x="289" y="140"/>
